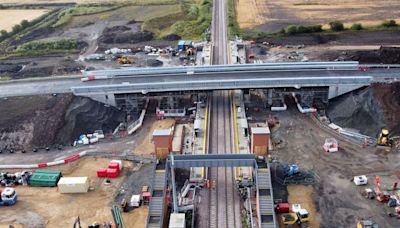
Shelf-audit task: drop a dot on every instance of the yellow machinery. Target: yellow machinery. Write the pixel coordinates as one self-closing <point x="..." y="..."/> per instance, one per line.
<point x="383" y="139"/>
<point x="299" y="217"/>
<point x="366" y="224"/>
<point x="124" y="60"/>
<point x="190" y="51"/>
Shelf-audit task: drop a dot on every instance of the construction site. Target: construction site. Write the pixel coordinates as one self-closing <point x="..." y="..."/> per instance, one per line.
<point x="145" y="124"/>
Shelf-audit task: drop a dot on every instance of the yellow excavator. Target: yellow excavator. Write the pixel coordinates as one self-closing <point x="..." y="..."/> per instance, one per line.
<point x="124" y="60"/>
<point x="383" y="139"/>
<point x="299" y="217"/>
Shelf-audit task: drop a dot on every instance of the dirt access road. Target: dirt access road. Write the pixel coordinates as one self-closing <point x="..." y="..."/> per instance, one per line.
<point x="270" y="16"/>
<point x="337" y="199"/>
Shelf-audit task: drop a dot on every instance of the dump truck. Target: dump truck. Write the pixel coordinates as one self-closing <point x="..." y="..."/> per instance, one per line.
<point x="135" y="201"/>
<point x="8" y="197"/>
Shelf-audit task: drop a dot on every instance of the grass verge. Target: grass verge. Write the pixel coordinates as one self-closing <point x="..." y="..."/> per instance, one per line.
<point x="293" y="30"/>
<point x="233" y="25"/>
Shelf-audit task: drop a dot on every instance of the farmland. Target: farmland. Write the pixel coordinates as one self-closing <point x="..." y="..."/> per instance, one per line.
<point x="270" y="16"/>
<point x="9" y="18"/>
<point x="139" y="2"/>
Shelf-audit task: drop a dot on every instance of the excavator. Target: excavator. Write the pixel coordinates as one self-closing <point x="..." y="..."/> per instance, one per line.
<point x="300" y="217"/>
<point x="124" y="60"/>
<point x="383" y="139"/>
<point x="366" y="224"/>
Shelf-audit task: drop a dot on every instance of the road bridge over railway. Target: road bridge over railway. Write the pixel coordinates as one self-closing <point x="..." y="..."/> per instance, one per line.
<point x="340" y="77"/>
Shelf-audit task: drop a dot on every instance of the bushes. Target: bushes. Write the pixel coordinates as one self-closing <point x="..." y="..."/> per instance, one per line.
<point x="195" y="23"/>
<point x="336" y="26"/>
<point x="291" y="30"/>
<point x="16" y="28"/>
<point x="389" y="23"/>
<point x="3" y="33"/>
<point x="41" y="46"/>
<point x="356" y="26"/>
<point x="295" y="29"/>
<point x="233" y="26"/>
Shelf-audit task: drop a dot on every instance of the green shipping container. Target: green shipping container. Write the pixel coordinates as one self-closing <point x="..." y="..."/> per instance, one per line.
<point x="45" y="178"/>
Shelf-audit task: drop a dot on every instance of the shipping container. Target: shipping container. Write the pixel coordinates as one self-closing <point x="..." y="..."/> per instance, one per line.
<point x="44" y="178"/>
<point x="101" y="173"/>
<point x="117" y="161"/>
<point x="73" y="185"/>
<point x="113" y="165"/>
<point x="112" y="173"/>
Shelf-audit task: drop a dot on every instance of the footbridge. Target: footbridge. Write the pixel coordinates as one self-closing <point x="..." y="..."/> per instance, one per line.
<point x="164" y="179"/>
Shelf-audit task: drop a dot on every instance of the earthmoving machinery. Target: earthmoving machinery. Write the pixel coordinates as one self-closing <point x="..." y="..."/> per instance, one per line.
<point x="291" y="170"/>
<point x="366" y="224"/>
<point x="369" y="193"/>
<point x="124" y="60"/>
<point x="298" y="215"/>
<point x="331" y="145"/>
<point x="383" y="139"/>
<point x="8" y="197"/>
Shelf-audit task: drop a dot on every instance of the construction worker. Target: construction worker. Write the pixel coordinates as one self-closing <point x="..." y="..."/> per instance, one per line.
<point x="365" y="143"/>
<point x="214" y="184"/>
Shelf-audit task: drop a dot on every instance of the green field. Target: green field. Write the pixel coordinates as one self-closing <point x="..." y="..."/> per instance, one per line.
<point x="188" y="19"/>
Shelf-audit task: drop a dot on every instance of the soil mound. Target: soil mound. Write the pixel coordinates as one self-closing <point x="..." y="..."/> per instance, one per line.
<point x="9" y="68"/>
<point x="153" y="63"/>
<point x="368" y="110"/>
<point x="31" y="121"/>
<point x="113" y="37"/>
<point x="172" y="37"/>
<point x="40" y="121"/>
<point x="388" y="96"/>
<point x="85" y="116"/>
<point x="116" y="29"/>
<point x="358" y="110"/>
<point x="385" y="55"/>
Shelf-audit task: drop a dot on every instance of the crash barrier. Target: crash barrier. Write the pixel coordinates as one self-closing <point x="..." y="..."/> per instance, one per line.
<point x="43" y="165"/>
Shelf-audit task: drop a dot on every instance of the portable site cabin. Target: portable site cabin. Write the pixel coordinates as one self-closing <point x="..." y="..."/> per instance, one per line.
<point x="360" y="180"/>
<point x="260" y="137"/>
<point x="177" y="220"/>
<point x="73" y="185"/>
<point x="45" y="178"/>
<point x="162" y="139"/>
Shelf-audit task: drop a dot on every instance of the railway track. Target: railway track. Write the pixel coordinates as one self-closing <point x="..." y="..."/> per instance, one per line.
<point x="224" y="205"/>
